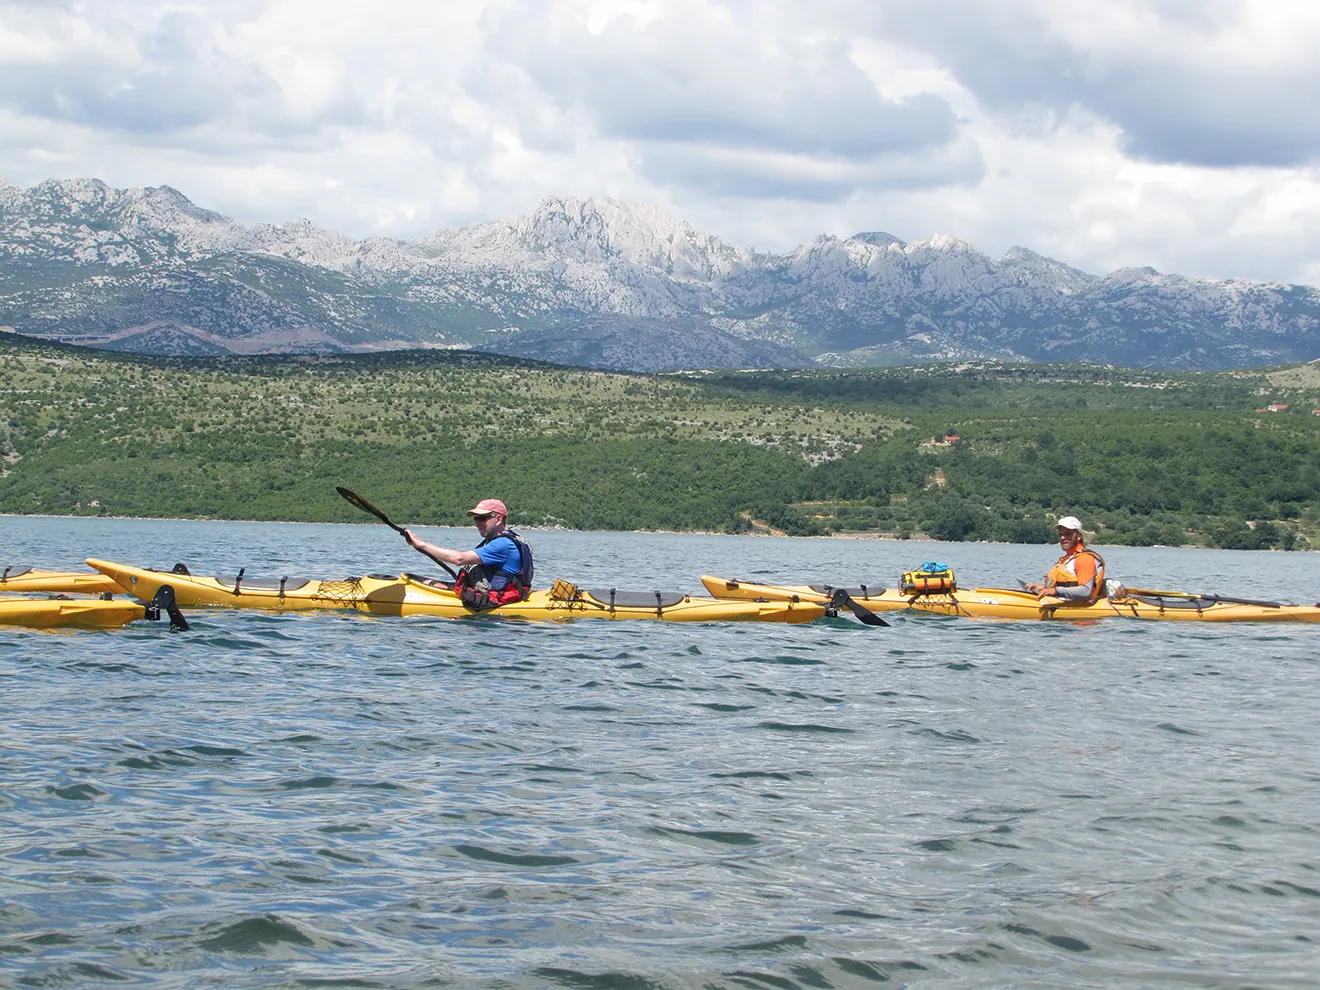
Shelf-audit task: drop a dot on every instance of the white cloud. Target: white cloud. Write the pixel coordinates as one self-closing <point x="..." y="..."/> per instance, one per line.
<point x="696" y="76"/>
<point x="1205" y="82"/>
<point x="176" y="78"/>
<point x="1176" y="133"/>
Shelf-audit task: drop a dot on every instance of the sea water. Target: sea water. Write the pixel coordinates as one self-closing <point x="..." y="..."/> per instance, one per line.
<point x="337" y="800"/>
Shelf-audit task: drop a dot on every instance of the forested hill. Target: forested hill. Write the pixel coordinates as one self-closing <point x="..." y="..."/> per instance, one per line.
<point x="1142" y="457"/>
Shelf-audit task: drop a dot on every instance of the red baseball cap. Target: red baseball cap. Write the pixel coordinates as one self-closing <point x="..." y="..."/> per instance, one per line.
<point x="489" y="507"/>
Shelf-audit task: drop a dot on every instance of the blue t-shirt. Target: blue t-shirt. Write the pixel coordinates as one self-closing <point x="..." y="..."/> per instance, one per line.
<point x="502" y="560"/>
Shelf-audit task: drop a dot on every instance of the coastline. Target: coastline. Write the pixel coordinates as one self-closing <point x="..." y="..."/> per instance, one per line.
<point x="857" y="536"/>
<point x="421" y="525"/>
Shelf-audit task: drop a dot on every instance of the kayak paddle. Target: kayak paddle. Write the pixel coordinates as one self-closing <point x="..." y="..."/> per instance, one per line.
<point x="355" y="499"/>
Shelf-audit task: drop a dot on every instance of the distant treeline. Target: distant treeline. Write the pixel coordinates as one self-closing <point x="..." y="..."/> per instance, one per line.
<point x="990" y="452"/>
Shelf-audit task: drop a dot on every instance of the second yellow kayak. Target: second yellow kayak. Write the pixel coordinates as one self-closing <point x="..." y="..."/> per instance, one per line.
<point x="1004" y="603"/>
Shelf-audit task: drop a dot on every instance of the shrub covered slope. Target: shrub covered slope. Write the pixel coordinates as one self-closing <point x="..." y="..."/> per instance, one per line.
<point x="1145" y="457"/>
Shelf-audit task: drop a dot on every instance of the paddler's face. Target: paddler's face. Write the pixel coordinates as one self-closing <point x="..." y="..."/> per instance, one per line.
<point x="1068" y="538"/>
<point x="487" y="523"/>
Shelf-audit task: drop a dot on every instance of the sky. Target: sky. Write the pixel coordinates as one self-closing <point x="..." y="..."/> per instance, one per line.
<point x="1180" y="134"/>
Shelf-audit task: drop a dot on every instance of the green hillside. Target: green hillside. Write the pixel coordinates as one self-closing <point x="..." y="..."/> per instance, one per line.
<point x="1146" y="457"/>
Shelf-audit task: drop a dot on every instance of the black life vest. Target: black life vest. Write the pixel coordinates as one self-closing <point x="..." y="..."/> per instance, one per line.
<point x="473" y="584"/>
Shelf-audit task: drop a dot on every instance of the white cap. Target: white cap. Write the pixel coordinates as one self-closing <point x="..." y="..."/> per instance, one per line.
<point x="1070" y="522"/>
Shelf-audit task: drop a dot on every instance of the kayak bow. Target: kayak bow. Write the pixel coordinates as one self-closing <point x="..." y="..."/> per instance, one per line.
<point x="57" y="582"/>
<point x="240" y="591"/>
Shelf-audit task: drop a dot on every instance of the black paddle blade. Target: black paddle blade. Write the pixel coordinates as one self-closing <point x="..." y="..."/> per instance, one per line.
<point x="366" y="506"/>
<point x="865" y="615"/>
<point x="357" y="500"/>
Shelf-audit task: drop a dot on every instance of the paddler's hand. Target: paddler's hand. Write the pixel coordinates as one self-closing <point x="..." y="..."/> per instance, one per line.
<point x="412" y="540"/>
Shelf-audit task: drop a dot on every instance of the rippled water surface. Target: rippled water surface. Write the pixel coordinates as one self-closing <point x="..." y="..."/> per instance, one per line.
<point x="323" y="800"/>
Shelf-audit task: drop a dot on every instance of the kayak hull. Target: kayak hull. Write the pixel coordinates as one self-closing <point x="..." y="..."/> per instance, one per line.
<point x="84" y="613"/>
<point x="58" y="582"/>
<point x="1005" y="603"/>
<point x="408" y="595"/>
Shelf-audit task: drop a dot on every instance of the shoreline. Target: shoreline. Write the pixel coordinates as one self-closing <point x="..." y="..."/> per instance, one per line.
<point x="859" y="536"/>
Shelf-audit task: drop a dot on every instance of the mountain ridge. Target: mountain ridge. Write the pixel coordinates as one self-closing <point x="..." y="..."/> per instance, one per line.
<point x="82" y="260"/>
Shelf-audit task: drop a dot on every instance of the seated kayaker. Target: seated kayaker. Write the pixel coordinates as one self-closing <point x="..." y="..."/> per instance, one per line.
<point x="1079" y="576"/>
<point x="497" y="571"/>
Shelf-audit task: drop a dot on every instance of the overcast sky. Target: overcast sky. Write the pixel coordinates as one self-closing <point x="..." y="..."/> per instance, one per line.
<point x="1183" y="134"/>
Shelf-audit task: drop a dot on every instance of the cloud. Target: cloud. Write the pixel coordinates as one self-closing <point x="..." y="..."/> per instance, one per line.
<point x="702" y="98"/>
<point x="760" y="174"/>
<point x="1164" y="132"/>
<point x="1217" y="83"/>
<point x="161" y="75"/>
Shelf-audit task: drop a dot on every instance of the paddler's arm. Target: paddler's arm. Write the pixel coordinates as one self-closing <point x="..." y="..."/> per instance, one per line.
<point x="1042" y="590"/>
<point x="1078" y="592"/>
<point x="441" y="555"/>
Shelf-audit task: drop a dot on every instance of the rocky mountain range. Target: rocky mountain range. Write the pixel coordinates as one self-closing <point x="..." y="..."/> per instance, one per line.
<point x="599" y="283"/>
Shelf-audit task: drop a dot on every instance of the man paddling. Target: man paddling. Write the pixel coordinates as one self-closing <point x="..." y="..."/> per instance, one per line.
<point x="497" y="571"/>
<point x="1079" y="575"/>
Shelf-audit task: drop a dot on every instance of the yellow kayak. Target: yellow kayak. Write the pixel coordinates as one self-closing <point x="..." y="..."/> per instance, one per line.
<point x="1004" y="603"/>
<point x="407" y="594"/>
<point x="57" y="582"/>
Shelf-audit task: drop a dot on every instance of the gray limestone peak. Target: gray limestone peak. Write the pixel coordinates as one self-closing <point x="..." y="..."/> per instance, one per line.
<point x="577" y="277"/>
